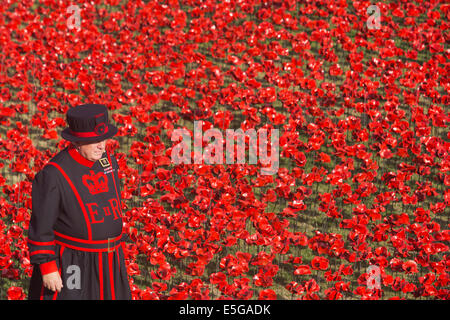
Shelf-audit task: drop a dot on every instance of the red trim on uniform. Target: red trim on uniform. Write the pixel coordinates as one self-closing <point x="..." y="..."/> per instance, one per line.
<point x="86" y="249"/>
<point x="100" y="272"/>
<point x="48" y="267"/>
<point x="42" y="252"/>
<point x="115" y="186"/>
<point x="60" y="255"/>
<point x="77" y="195"/>
<point x="79" y="158"/>
<point x="111" y="274"/>
<point x="84" y="240"/>
<point x="38" y="243"/>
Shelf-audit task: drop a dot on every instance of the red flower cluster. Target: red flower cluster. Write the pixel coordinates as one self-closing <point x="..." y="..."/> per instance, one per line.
<point x="364" y="171"/>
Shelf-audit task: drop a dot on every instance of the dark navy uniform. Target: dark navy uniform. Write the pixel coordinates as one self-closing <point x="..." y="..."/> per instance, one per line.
<point x="76" y="228"/>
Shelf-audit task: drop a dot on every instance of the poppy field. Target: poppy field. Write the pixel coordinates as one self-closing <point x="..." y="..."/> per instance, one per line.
<point x="359" y="205"/>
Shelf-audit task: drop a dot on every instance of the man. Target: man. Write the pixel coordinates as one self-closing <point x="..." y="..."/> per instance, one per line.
<point x="75" y="233"/>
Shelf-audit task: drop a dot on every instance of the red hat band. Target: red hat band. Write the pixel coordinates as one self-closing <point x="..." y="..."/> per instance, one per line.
<point x="99" y="130"/>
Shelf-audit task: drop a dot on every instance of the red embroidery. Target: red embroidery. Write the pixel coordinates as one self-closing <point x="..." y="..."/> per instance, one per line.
<point x="101" y="128"/>
<point x="115" y="207"/>
<point x="93" y="213"/>
<point x="96" y="183"/>
<point x="96" y="211"/>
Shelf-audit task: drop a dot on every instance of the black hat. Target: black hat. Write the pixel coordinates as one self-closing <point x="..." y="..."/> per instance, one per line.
<point x="88" y="122"/>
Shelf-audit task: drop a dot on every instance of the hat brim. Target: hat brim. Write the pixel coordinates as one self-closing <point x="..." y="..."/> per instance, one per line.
<point x="66" y="135"/>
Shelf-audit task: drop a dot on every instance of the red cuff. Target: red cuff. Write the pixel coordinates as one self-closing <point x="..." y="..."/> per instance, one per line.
<point x="48" y="267"/>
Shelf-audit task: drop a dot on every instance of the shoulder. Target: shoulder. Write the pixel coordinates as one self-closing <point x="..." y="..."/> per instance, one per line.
<point x="59" y="160"/>
<point x="49" y="169"/>
<point x="47" y="176"/>
<point x="53" y="166"/>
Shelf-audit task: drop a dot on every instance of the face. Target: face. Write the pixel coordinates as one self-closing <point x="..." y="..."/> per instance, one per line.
<point x="91" y="150"/>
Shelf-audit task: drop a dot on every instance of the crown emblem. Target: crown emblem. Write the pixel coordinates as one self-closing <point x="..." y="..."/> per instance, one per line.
<point x="96" y="182"/>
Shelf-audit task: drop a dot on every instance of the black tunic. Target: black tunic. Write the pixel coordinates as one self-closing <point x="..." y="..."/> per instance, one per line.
<point x="76" y="228"/>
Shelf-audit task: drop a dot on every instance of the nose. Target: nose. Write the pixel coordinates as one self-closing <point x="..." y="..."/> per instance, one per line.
<point x="101" y="145"/>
